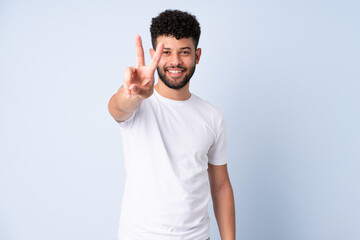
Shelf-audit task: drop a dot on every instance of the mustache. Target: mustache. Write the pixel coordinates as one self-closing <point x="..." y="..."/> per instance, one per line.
<point x="178" y="66"/>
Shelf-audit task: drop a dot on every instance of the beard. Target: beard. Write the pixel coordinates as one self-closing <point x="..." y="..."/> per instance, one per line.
<point x="175" y="84"/>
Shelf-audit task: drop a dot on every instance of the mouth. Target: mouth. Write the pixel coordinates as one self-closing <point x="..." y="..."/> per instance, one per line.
<point x="175" y="72"/>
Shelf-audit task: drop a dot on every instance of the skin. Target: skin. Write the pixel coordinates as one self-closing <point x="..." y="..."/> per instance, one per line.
<point x="138" y="84"/>
<point x="181" y="53"/>
<point x="223" y="200"/>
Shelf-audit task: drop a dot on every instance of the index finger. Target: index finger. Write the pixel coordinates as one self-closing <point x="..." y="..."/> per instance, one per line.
<point x="156" y="58"/>
<point x="139" y="51"/>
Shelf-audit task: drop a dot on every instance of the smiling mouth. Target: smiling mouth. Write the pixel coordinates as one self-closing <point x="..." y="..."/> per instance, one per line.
<point x="175" y="71"/>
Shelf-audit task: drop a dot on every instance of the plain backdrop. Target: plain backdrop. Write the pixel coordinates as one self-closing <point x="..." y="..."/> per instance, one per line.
<point x="285" y="74"/>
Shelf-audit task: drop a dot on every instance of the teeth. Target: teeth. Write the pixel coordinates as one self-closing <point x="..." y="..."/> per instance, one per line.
<point x="174" y="71"/>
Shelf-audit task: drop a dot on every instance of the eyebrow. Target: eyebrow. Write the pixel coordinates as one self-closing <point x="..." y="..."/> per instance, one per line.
<point x="165" y="48"/>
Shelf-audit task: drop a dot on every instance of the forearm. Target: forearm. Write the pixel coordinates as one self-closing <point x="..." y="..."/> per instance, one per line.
<point x="224" y="209"/>
<point x="121" y="107"/>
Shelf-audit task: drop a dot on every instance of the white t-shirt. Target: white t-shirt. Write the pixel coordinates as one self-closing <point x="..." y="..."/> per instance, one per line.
<point x="167" y="147"/>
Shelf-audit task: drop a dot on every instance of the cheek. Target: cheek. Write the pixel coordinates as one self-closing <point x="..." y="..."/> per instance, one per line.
<point x="192" y="61"/>
<point x="161" y="65"/>
<point x="162" y="61"/>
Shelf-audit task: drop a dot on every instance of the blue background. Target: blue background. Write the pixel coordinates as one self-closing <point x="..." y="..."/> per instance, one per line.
<point x="285" y="74"/>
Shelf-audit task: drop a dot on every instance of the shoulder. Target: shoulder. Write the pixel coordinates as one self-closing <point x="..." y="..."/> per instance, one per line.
<point x="207" y="108"/>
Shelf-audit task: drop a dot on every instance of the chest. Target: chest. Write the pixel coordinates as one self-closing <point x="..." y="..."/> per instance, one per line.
<point x="184" y="132"/>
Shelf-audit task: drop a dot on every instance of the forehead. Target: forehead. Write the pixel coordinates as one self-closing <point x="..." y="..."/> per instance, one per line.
<point x="172" y="42"/>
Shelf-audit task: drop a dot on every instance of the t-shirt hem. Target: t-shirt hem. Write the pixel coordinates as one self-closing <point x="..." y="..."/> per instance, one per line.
<point x="217" y="163"/>
<point x="127" y="121"/>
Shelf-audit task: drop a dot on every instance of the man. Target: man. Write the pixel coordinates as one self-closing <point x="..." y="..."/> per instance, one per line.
<point x="174" y="142"/>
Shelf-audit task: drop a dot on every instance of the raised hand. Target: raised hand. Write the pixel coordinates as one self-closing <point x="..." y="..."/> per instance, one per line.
<point x="139" y="81"/>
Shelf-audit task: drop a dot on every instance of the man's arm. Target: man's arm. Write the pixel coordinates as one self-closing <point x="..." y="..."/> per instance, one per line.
<point x="223" y="200"/>
<point x="138" y="84"/>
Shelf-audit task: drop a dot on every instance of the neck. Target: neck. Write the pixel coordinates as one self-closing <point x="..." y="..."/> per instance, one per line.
<point x="181" y="94"/>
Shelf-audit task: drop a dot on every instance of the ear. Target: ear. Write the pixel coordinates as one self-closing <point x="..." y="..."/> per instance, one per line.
<point x="152" y="52"/>
<point x="197" y="55"/>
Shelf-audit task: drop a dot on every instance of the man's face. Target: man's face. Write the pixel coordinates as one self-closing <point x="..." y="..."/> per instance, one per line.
<point x="178" y="61"/>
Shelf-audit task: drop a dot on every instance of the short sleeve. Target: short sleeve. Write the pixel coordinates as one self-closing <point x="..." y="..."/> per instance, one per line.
<point x="128" y="123"/>
<point x="217" y="154"/>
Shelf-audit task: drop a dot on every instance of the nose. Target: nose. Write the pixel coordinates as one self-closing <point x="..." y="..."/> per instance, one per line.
<point x="176" y="60"/>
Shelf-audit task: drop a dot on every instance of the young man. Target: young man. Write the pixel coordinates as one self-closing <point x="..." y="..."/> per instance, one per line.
<point x="174" y="142"/>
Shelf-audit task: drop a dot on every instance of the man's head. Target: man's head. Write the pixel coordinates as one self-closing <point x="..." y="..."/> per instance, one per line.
<point x="180" y="33"/>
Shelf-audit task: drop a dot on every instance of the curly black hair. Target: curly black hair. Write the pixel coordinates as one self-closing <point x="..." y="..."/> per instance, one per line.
<point x="177" y="24"/>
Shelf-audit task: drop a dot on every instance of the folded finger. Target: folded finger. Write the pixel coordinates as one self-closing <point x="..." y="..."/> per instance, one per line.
<point x="129" y="74"/>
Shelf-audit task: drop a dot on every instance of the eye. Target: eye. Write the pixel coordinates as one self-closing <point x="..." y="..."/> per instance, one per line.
<point x="166" y="52"/>
<point x="185" y="52"/>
